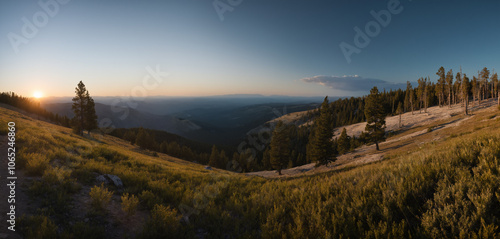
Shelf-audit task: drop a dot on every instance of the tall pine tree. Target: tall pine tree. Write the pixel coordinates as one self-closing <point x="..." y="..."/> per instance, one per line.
<point x="399" y="112"/>
<point x="320" y="147"/>
<point x="344" y="142"/>
<point x="440" y="85"/>
<point x="84" y="109"/>
<point x="79" y="108"/>
<point x="280" y="147"/>
<point x="465" y="92"/>
<point x="375" y="117"/>
<point x="214" y="157"/>
<point x="90" y="114"/>
<point x="449" y="86"/>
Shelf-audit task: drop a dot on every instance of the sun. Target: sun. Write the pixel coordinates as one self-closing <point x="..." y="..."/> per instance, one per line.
<point x="38" y="94"/>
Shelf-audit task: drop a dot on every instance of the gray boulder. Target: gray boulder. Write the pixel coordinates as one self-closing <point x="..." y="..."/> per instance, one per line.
<point x="116" y="180"/>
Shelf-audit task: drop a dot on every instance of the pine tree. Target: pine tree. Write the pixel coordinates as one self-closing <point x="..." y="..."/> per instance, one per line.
<point x="266" y="159"/>
<point x="428" y="94"/>
<point x="412" y="100"/>
<point x="375" y="117"/>
<point x="84" y="110"/>
<point x="449" y="86"/>
<point x="407" y="97"/>
<point x="475" y="89"/>
<point x="131" y="137"/>
<point x="400" y="111"/>
<point x="458" y="86"/>
<point x="343" y="142"/>
<point x="320" y="149"/>
<point x="465" y="92"/>
<point x="223" y="159"/>
<point x="90" y="114"/>
<point x="214" y="157"/>
<point x="420" y="92"/>
<point x="280" y="147"/>
<point x="144" y="140"/>
<point x="79" y="106"/>
<point x="484" y="76"/>
<point x="440" y="85"/>
<point x="494" y="79"/>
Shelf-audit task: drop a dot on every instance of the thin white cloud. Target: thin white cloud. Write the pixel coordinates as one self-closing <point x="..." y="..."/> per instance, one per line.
<point x="353" y="83"/>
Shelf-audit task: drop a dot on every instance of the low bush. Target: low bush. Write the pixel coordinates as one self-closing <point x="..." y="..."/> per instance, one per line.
<point x="163" y="221"/>
<point x="149" y="199"/>
<point x="38" y="226"/>
<point x="129" y="204"/>
<point x="100" y="197"/>
<point x="108" y="154"/>
<point x="36" y="164"/>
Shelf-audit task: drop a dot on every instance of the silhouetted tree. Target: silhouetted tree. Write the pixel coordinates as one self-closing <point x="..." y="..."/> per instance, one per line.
<point x="79" y="107"/>
<point x="90" y="114"/>
<point x="84" y="109"/>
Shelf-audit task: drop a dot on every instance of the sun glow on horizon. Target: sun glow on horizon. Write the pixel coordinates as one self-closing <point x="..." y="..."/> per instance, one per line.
<point x="38" y="94"/>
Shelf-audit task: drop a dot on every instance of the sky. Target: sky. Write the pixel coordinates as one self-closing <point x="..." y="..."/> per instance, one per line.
<point x="272" y="47"/>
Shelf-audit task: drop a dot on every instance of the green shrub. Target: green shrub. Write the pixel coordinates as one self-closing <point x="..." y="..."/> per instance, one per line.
<point x="129" y="203"/>
<point x="149" y="199"/>
<point x="36" y="164"/>
<point x="108" y="154"/>
<point x="100" y="197"/>
<point x="163" y="221"/>
<point x="56" y="175"/>
<point x="38" y="226"/>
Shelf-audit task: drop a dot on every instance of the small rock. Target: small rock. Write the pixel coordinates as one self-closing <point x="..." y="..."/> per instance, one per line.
<point x="101" y="179"/>
<point x="208" y="168"/>
<point x="116" y="180"/>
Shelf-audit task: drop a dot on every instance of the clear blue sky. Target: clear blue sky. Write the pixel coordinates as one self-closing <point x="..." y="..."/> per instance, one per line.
<point x="284" y="47"/>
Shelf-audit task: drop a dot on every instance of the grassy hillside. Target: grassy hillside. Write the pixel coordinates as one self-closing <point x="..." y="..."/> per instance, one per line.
<point x="444" y="188"/>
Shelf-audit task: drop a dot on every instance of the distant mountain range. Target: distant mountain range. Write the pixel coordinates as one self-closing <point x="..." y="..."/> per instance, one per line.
<point x="214" y="119"/>
<point x="122" y="117"/>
